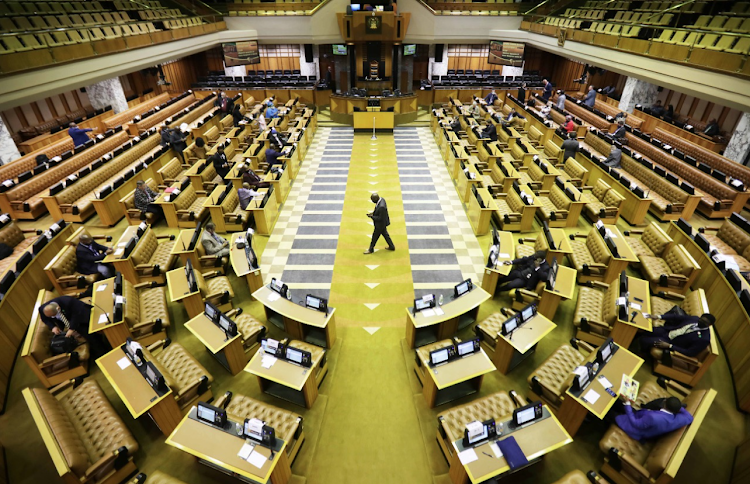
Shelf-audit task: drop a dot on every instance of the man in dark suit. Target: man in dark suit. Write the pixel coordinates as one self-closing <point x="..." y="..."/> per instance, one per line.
<point x="620" y="131"/>
<point x="66" y="315"/>
<point x="654" y="419"/>
<point x="272" y="156"/>
<point x="570" y="146"/>
<point x="220" y="162"/>
<point x="491" y="98"/>
<point x="615" y="155"/>
<point x="684" y="334"/>
<point x="89" y="255"/>
<point x="381" y="220"/>
<point x="527" y="272"/>
<point x="490" y="132"/>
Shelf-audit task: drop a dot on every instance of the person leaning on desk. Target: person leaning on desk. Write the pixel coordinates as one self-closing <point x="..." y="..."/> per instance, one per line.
<point x="527" y="272"/>
<point x="272" y="156"/>
<point x="70" y="316"/>
<point x="682" y="333"/>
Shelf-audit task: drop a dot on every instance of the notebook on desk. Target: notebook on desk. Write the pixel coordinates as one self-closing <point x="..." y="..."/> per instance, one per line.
<point x="512" y="453"/>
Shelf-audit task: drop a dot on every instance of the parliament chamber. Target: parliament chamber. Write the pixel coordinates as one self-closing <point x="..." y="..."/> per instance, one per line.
<point x="193" y="285"/>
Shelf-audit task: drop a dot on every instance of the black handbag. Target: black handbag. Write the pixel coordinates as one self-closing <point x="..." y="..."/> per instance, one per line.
<point x="60" y="344"/>
<point x="677" y="310"/>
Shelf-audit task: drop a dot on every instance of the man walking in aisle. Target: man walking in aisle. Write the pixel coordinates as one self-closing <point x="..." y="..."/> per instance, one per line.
<point x="381" y="220"/>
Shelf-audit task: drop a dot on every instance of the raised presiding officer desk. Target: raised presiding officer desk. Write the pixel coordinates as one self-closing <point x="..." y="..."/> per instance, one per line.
<point x="512" y="349"/>
<point x="624" y="331"/>
<point x="574" y="407"/>
<point x="241" y="264"/>
<point x="227" y="351"/>
<point x="138" y="396"/>
<point x="451" y="380"/>
<point x="442" y="322"/>
<point x="297" y="321"/>
<point x="535" y="439"/>
<point x="219" y="448"/>
<point x="288" y="381"/>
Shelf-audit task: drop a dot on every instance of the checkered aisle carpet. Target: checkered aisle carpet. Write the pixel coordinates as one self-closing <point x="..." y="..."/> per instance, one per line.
<point x="443" y="250"/>
<point x="442" y="247"/>
<point x="302" y="247"/>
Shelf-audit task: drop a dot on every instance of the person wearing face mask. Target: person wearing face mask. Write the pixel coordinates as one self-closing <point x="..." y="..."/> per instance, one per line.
<point x="526" y="272"/>
<point x="685" y="334"/>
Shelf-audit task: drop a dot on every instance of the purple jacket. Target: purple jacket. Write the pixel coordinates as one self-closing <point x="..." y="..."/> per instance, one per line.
<point x="647" y="424"/>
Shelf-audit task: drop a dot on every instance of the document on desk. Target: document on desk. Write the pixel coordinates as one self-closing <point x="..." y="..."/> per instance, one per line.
<point x="123" y="362"/>
<point x="257" y="459"/>
<point x="246" y="451"/>
<point x="119" y="252"/>
<point x="468" y="456"/>
<point x="103" y="287"/>
<point x="591" y="397"/>
<point x="439" y="311"/>
<point x="503" y="256"/>
<point x="103" y="318"/>
<point x="273" y="296"/>
<point x="267" y="361"/>
<point x="427" y="313"/>
<point x="495" y="446"/>
<point x="605" y="383"/>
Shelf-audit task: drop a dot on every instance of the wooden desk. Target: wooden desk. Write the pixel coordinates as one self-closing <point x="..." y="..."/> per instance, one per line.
<point x="116" y="332"/>
<point x="623" y="332"/>
<point x="507" y="252"/>
<point x="285" y="380"/>
<point x="535" y="440"/>
<point x="574" y="408"/>
<point x="457" y="314"/>
<point x="282" y="183"/>
<point x="137" y="395"/>
<point x="453" y="380"/>
<point x="480" y="217"/>
<point x="218" y="449"/>
<point x="464" y="182"/>
<point x="182" y="249"/>
<point x="562" y="246"/>
<point x="626" y="255"/>
<point x="228" y="352"/>
<point x="180" y="291"/>
<point x="382" y="120"/>
<point x="511" y="350"/>
<point x="241" y="266"/>
<point x="265" y="217"/>
<point x="299" y="322"/>
<point x="124" y="265"/>
<point x="565" y="285"/>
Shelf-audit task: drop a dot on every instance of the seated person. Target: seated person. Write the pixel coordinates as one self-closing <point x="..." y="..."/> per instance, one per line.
<point x="143" y="200"/>
<point x="712" y="129"/>
<point x="252" y="179"/>
<point x="545" y="110"/>
<point x="513" y="118"/>
<point x="569" y="125"/>
<point x="608" y="91"/>
<point x="41" y="159"/>
<point x="620" y="131"/>
<point x="89" y="255"/>
<point x="70" y="316"/>
<point x="245" y="194"/>
<point x="474" y="109"/>
<point x="213" y="243"/>
<point x="490" y="132"/>
<point x="685" y="334"/>
<point x="657" y="109"/>
<point x="491" y="98"/>
<point x="272" y="156"/>
<point x="615" y="155"/>
<point x="621" y="116"/>
<point x="455" y="125"/>
<point x="271" y="110"/>
<point x="220" y="162"/>
<point x="200" y="148"/>
<point x="654" y="419"/>
<point x="527" y="272"/>
<point x="275" y="137"/>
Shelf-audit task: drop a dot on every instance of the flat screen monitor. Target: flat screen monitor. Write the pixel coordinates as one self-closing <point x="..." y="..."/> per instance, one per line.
<point x="211" y="312"/>
<point x="492" y="257"/>
<point x="623" y="283"/>
<point x="278" y="285"/>
<point x="195" y="237"/>
<point x="356" y="7"/>
<point x="439" y="356"/>
<point x="509" y="326"/>
<point x="410" y="49"/>
<point x="548" y="235"/>
<point x="7" y="281"/>
<point x="463" y="288"/>
<point x="495" y="237"/>
<point x="212" y="415"/>
<point x="527" y="413"/>
<point x="293" y="354"/>
<point x="118" y="284"/>
<point x="605" y="351"/>
<point x="487" y="432"/>
<point x="339" y="49"/>
<point x="467" y="347"/>
<point x="734" y="280"/>
<point x="317" y="303"/>
<point x="227" y="325"/>
<point x="425" y="302"/>
<point x="528" y="312"/>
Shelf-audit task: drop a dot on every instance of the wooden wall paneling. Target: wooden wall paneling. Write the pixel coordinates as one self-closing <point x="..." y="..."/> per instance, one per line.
<point x="83" y="98"/>
<point x="693" y="106"/>
<point x="72" y="101"/>
<point x="58" y="104"/>
<point x="684" y="104"/>
<point x="43" y="109"/>
<point x="10" y="117"/>
<point x="680" y="100"/>
<point x="668" y="99"/>
<point x="700" y="110"/>
<point x="731" y="121"/>
<point x="30" y="115"/>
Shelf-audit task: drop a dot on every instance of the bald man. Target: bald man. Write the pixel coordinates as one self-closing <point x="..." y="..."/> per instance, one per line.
<point x="66" y="315"/>
<point x="89" y="255"/>
<point x="381" y="220"/>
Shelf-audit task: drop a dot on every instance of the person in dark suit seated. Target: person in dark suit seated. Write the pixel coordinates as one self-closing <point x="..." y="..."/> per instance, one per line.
<point x="455" y="125"/>
<point x="684" y="334"/>
<point x="143" y="199"/>
<point x="526" y="273"/>
<point x="654" y="419"/>
<point x="712" y="129"/>
<point x="272" y="156"/>
<point x="615" y="155"/>
<point x="70" y="316"/>
<point x="252" y="179"/>
<point x="491" y="98"/>
<point x="381" y="221"/>
<point x="657" y="109"/>
<point x="220" y="162"/>
<point x="570" y="147"/>
<point x="89" y="255"/>
<point x="490" y="132"/>
<point x="620" y="131"/>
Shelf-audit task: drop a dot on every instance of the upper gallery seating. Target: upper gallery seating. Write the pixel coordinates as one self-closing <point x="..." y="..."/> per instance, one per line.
<point x="479" y="77"/>
<point x="82" y="432"/>
<point x="490" y="7"/>
<point x="252" y="8"/>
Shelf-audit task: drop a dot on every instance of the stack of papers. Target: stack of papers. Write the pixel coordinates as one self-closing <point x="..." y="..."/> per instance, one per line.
<point x="267" y="361"/>
<point x="273" y="296"/>
<point x="468" y="456"/>
<point x="439" y="311"/>
<point x="591" y="397"/>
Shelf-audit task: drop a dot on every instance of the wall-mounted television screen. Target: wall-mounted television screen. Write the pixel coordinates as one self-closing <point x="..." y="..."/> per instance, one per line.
<point x="410" y="49"/>
<point x="241" y="53"/>
<point x="506" y="53"/>
<point x="339" y="49"/>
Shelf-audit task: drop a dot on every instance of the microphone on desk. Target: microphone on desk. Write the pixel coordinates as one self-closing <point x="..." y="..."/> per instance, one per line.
<point x="510" y="336"/>
<point x="106" y="314"/>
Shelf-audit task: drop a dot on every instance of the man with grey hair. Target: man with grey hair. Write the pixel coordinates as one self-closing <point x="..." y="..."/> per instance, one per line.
<point x="381" y="221"/>
<point x="213" y="243"/>
<point x="144" y="198"/>
<point x="66" y="315"/>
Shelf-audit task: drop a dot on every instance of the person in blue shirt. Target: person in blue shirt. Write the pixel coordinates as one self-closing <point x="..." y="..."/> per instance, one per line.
<point x="547" y="93"/>
<point x="491" y="98"/>
<point x="272" y="156"/>
<point x="271" y="111"/>
<point x="590" y="99"/>
<point x="79" y="135"/>
<point x="654" y="419"/>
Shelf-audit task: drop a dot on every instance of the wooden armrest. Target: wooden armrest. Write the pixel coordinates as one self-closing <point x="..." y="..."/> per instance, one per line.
<point x="204" y="192"/>
<point x="210" y="274"/>
<point x="184" y="391"/>
<point x="671" y="295"/>
<point x="517" y="399"/>
<point x="628" y="461"/>
<point x="585" y="345"/>
<point x="213" y="295"/>
<point x="527" y="293"/>
<point x="143" y="324"/>
<point x="675" y="387"/>
<point x="208" y="257"/>
<point x="31" y="231"/>
<point x="144" y="284"/>
<point x="596" y="265"/>
<point x="143" y="267"/>
<point x="560" y="165"/>
<point x="529" y="240"/>
<point x="68" y="278"/>
<point x="593" y="322"/>
<point x="598" y="284"/>
<point x="52" y="360"/>
<point x="157" y="345"/>
<point x="102" y="465"/>
<point x="579" y="236"/>
<point x="679" y="277"/>
<point x="543" y="192"/>
<point x="64" y="387"/>
<point x="688" y="360"/>
<point x="170" y="237"/>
